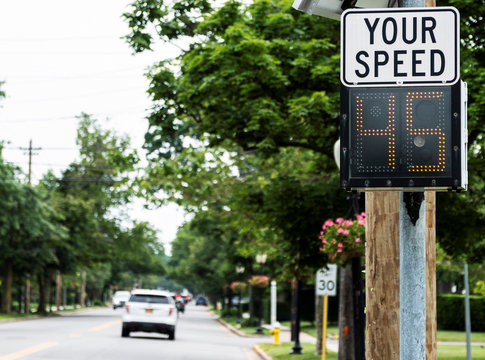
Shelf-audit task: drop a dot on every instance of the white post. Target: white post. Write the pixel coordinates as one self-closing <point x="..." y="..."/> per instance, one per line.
<point x="273" y="302"/>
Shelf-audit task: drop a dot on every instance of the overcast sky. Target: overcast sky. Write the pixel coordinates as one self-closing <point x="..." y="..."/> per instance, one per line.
<point x="59" y="58"/>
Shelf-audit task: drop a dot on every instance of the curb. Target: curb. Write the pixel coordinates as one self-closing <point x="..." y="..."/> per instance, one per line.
<point x="231" y="328"/>
<point x="261" y="352"/>
<point x="257" y="349"/>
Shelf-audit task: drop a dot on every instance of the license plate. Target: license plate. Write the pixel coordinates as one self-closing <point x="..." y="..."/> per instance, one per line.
<point x="149" y="311"/>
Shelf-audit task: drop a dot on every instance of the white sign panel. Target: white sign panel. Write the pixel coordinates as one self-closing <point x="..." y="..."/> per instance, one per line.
<point x="326" y="281"/>
<point x="393" y="47"/>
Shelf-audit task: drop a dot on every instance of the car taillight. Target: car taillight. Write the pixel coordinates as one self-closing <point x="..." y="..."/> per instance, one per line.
<point x="170" y="311"/>
<point x="127" y="307"/>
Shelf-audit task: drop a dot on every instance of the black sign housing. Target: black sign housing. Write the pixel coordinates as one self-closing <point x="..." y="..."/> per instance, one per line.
<point x="403" y="138"/>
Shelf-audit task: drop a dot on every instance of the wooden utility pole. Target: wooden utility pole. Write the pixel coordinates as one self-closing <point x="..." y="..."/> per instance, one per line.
<point x="431" y="319"/>
<point x="383" y="273"/>
<point x="30" y="150"/>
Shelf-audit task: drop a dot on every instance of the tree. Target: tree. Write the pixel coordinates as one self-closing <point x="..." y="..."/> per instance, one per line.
<point x="461" y="218"/>
<point x="259" y="79"/>
<point x="29" y="229"/>
<point x="86" y="195"/>
<point x="2" y="93"/>
<point x="136" y="250"/>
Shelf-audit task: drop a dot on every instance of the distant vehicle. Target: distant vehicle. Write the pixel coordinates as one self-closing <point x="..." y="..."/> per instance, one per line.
<point x="120" y="298"/>
<point x="180" y="305"/>
<point x="150" y="311"/>
<point x="201" y="301"/>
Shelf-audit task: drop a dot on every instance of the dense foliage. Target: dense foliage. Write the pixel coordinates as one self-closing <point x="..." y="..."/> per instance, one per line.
<point x="244" y="121"/>
<point x="451" y="312"/>
<point x="66" y="224"/>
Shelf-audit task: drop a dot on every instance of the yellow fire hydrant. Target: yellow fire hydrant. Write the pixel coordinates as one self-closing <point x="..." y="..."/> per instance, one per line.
<point x="275" y="331"/>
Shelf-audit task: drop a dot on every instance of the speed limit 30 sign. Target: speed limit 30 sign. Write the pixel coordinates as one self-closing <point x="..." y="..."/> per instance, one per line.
<point x="326" y="281"/>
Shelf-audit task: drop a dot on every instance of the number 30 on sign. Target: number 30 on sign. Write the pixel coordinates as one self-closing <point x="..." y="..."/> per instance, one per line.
<point x="326" y="281"/>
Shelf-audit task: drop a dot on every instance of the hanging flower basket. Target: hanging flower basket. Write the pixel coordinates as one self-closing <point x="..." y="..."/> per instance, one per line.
<point x="238" y="286"/>
<point x="260" y="281"/>
<point x="343" y="240"/>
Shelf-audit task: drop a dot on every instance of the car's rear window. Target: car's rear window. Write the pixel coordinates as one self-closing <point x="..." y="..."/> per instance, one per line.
<point x="156" y="299"/>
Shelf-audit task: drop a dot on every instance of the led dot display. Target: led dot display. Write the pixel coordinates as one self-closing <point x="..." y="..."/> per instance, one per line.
<point x="400" y="137"/>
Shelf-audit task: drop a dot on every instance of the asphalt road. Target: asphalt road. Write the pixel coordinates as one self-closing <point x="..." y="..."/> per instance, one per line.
<point x="96" y="335"/>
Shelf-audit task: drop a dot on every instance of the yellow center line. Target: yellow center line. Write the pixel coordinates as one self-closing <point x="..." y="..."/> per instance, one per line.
<point x="104" y="326"/>
<point x="28" y="351"/>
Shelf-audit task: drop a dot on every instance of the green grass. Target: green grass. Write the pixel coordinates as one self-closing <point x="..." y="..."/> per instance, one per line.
<point x="447" y="335"/>
<point x="281" y="352"/>
<point x="443" y="335"/>
<point x="449" y="352"/>
<point x="12" y="316"/>
<point x="307" y="327"/>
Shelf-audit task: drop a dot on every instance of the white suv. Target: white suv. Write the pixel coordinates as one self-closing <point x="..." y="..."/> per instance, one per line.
<point x="120" y="298"/>
<point x="150" y="311"/>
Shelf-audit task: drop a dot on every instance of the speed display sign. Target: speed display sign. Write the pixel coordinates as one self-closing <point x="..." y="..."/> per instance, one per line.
<point x="396" y="135"/>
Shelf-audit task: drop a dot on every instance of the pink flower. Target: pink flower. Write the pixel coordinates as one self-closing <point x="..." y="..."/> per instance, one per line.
<point x="328" y="223"/>
<point x="361" y="221"/>
<point x="339" y="220"/>
<point x="324" y="240"/>
<point x="357" y="240"/>
<point x="349" y="222"/>
<point x="339" y="245"/>
<point x="321" y="232"/>
<point x="334" y="242"/>
<point x="339" y="250"/>
<point x="340" y="231"/>
<point x="346" y="232"/>
<point x="362" y="214"/>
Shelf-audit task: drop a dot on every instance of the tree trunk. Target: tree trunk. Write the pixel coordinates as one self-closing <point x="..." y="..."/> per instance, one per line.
<point x="252" y="312"/>
<point x="319" y="323"/>
<point x="48" y="289"/>
<point x="58" y="290"/>
<point x="82" y="299"/>
<point x="41" y="278"/>
<point x="346" y="323"/>
<point x="358" y="308"/>
<point x="27" y="295"/>
<point x="295" y="316"/>
<point x="7" y="287"/>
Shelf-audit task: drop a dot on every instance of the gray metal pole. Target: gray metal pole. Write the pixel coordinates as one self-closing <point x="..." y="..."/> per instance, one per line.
<point x="468" y="325"/>
<point x="412" y="285"/>
<point x="412" y="242"/>
<point x="411" y="3"/>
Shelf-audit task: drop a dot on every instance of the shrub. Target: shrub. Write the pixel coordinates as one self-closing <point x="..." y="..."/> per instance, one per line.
<point x="260" y="281"/>
<point x="251" y="322"/>
<point x="98" y="302"/>
<point x="451" y="312"/>
<point x="228" y="312"/>
<point x="238" y="286"/>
